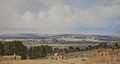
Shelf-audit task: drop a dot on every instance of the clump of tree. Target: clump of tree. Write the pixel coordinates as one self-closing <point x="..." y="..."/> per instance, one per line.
<point x="39" y="51"/>
<point x="66" y="51"/>
<point x="1" y="49"/>
<point x="115" y="46"/>
<point x="71" y="49"/>
<point x="15" y="47"/>
<point x="77" y="49"/>
<point x="104" y="45"/>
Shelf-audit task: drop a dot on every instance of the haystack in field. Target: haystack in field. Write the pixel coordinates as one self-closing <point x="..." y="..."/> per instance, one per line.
<point x="7" y="58"/>
<point x="108" y="52"/>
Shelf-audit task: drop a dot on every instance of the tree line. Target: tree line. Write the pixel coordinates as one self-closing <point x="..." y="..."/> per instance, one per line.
<point x="13" y="47"/>
<point x="39" y="51"/>
<point x="104" y="45"/>
<point x="17" y="47"/>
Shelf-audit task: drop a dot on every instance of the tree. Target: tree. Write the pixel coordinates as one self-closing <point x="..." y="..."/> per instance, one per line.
<point x="49" y="49"/>
<point x="77" y="49"/>
<point x="1" y="49"/>
<point x="43" y="51"/>
<point x="39" y="51"/>
<point x="90" y="47"/>
<point x="16" y="47"/>
<point x="61" y="50"/>
<point x="115" y="46"/>
<point x="30" y="53"/>
<point x="103" y="45"/>
<point x="65" y="50"/>
<point x="71" y="49"/>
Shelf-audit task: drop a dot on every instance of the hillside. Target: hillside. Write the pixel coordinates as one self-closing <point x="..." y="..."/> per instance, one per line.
<point x="46" y="36"/>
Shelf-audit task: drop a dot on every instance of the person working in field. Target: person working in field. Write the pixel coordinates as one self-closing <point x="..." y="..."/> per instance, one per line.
<point x="50" y="54"/>
<point x="53" y="55"/>
<point x="14" y="56"/>
<point x="62" y="55"/>
<point x="56" y="54"/>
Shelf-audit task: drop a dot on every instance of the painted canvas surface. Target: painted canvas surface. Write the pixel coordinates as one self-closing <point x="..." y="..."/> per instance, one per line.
<point x="59" y="31"/>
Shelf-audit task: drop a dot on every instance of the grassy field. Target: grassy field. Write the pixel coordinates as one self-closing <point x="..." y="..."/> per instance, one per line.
<point x="45" y="61"/>
<point x="93" y="60"/>
<point x="72" y="58"/>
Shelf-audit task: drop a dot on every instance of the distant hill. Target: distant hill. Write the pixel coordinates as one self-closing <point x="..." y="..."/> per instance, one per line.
<point x="21" y="36"/>
<point x="96" y="37"/>
<point x="75" y="36"/>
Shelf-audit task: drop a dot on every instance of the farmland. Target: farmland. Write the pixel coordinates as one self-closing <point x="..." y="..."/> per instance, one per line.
<point x="72" y="60"/>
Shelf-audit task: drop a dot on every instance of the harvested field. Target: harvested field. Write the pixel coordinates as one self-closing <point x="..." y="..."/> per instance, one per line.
<point x="103" y="60"/>
<point x="84" y="57"/>
<point x="45" y="61"/>
<point x="8" y="58"/>
<point x="81" y="54"/>
<point x="92" y="60"/>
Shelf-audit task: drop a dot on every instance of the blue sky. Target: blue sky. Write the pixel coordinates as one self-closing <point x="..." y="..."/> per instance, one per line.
<point x="111" y="27"/>
<point x="60" y="16"/>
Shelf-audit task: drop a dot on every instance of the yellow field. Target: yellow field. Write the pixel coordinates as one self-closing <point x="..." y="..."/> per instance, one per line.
<point x="91" y="60"/>
<point x="45" y="61"/>
<point x="72" y="58"/>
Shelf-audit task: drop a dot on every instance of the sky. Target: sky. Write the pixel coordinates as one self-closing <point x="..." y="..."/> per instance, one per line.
<point x="60" y="16"/>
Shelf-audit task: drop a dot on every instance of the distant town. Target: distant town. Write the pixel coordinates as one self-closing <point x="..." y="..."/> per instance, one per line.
<point x="59" y="40"/>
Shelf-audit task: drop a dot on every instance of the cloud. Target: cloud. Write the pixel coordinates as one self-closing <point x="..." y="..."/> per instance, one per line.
<point x="53" y="16"/>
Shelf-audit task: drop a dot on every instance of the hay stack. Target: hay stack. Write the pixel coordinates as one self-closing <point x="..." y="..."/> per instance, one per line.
<point x="7" y="58"/>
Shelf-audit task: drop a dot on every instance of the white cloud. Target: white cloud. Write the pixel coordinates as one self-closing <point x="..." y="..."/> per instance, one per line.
<point x="54" y="16"/>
